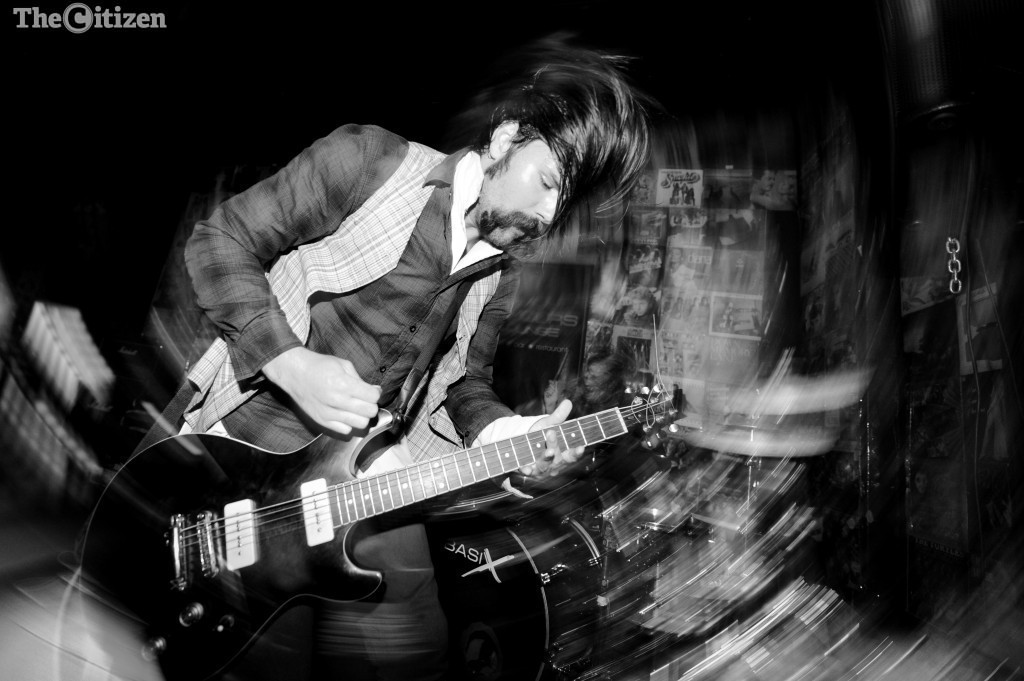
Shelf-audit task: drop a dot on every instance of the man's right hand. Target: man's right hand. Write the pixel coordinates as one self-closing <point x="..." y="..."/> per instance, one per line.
<point x="326" y="388"/>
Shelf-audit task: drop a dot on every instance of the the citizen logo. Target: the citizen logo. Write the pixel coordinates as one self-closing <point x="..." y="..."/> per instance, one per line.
<point x="79" y="18"/>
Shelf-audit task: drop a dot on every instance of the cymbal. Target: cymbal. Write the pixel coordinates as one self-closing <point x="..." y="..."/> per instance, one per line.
<point x="751" y="441"/>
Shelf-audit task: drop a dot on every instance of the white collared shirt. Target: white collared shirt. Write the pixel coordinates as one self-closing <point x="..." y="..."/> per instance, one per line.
<point x="469" y="176"/>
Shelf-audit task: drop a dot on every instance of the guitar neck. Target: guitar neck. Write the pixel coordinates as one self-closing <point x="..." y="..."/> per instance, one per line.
<point x="373" y="495"/>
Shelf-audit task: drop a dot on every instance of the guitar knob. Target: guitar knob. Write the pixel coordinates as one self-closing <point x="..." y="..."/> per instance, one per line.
<point x="225" y="623"/>
<point x="651" y="442"/>
<point x="153" y="648"/>
<point x="192" y="613"/>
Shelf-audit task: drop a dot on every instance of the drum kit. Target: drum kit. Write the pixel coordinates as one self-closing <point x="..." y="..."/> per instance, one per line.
<point x="584" y="579"/>
<point x="589" y="577"/>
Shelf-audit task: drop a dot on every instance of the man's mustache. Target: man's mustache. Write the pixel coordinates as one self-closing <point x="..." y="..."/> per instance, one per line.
<point x="530" y="228"/>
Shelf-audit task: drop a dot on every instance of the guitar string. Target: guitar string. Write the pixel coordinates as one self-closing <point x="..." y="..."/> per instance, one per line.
<point x="373" y="503"/>
<point x="509" y="444"/>
<point x="193" y="535"/>
<point x="367" y="497"/>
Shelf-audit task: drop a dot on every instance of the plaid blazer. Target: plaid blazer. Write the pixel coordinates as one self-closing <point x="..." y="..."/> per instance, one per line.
<point x="367" y="245"/>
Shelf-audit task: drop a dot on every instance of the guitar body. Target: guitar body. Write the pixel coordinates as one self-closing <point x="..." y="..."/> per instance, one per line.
<point x="197" y="626"/>
<point x="205" y="540"/>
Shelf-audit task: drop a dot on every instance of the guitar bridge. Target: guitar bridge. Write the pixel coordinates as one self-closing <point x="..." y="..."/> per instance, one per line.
<point x="186" y="544"/>
<point x="178" y="553"/>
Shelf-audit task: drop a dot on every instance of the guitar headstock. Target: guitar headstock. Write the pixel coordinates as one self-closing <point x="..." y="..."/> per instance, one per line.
<point x="651" y="408"/>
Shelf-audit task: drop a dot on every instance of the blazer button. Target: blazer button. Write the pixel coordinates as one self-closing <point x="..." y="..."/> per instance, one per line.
<point x="412" y="329"/>
<point x="383" y="369"/>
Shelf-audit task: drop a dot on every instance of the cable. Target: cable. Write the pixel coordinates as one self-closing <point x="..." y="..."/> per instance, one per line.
<point x="973" y="151"/>
<point x="1007" y="355"/>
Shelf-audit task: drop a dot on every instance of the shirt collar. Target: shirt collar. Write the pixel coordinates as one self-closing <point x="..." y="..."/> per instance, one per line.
<point x="443" y="174"/>
<point x="466" y="181"/>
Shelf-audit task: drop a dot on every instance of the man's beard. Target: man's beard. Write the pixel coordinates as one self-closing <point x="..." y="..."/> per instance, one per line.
<point x="514" y="231"/>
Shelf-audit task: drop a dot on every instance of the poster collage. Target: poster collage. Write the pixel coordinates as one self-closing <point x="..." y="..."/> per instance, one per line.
<point x="688" y="299"/>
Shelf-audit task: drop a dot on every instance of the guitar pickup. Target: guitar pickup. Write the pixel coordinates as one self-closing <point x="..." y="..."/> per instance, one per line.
<point x="316" y="512"/>
<point x="240" y="541"/>
<point x="207" y="550"/>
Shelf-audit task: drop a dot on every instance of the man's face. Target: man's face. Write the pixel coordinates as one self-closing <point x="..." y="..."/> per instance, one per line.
<point x="519" y="195"/>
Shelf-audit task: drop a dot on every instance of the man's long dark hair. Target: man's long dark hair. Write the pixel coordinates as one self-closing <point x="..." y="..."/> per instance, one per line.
<point x="580" y="103"/>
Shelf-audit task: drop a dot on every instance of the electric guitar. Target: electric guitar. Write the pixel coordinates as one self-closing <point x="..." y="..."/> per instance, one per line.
<point x="206" y="539"/>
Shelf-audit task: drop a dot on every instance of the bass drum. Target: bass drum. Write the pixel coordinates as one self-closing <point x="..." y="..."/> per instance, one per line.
<point x="521" y="600"/>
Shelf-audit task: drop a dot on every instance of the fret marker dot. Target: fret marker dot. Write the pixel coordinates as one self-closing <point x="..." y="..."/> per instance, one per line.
<point x="366" y="496"/>
<point x="478" y="464"/>
<point x="385" y="492"/>
<point x="405" y="485"/>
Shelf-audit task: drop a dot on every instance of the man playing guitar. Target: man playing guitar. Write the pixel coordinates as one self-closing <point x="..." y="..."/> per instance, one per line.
<point x="330" y="282"/>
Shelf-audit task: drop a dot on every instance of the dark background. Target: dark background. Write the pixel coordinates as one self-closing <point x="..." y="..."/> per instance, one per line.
<point x="112" y="130"/>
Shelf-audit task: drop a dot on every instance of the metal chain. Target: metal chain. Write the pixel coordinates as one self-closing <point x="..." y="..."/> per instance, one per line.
<point x="953" y="247"/>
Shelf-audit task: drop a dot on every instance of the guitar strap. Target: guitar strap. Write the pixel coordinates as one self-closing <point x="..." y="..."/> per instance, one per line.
<point x="169" y="422"/>
<point x="400" y="411"/>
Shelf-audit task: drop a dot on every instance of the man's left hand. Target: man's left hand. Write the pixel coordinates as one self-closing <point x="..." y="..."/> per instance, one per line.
<point x="553" y="462"/>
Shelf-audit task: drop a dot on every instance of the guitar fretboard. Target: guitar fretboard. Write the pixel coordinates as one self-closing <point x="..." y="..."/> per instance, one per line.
<point x="370" y="496"/>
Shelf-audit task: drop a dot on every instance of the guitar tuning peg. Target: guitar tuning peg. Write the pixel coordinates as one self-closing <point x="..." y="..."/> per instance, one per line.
<point x="629" y="389"/>
<point x="651" y="442"/>
<point x="673" y="428"/>
<point x="658" y="388"/>
<point x="645" y="390"/>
